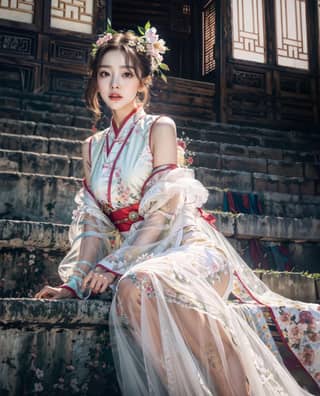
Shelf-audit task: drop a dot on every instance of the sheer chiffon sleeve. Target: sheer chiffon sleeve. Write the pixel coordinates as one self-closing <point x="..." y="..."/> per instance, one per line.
<point x="92" y="236"/>
<point x="170" y="199"/>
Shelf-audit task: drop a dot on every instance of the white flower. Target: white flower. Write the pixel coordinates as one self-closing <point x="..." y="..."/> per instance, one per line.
<point x="151" y="35"/>
<point x="38" y="387"/>
<point x="160" y="46"/>
<point x="39" y="373"/>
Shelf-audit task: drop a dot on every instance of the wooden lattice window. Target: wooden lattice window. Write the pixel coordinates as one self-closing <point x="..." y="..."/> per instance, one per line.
<point x="292" y="40"/>
<point x="248" y="41"/>
<point x="208" y="37"/>
<point x="18" y="10"/>
<point x="73" y="15"/>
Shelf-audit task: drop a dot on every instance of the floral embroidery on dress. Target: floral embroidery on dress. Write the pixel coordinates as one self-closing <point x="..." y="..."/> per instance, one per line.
<point x="301" y="330"/>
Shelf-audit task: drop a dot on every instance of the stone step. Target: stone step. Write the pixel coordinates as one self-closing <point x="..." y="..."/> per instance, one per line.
<point x="31" y="251"/>
<point x="273" y="203"/>
<point x="203" y="151"/>
<point x="52" y="103"/>
<point x="64" y="165"/>
<point x="61" y="348"/>
<point x="29" y="128"/>
<point x="45" y="164"/>
<point x="256" y="181"/>
<point x="253" y="138"/>
<point x="239" y="226"/>
<point x="65" y="345"/>
<point x="247" y="151"/>
<point x="214" y="132"/>
<point x="40" y="144"/>
<point x="223" y="135"/>
<point x="63" y="119"/>
<point x="33" y="196"/>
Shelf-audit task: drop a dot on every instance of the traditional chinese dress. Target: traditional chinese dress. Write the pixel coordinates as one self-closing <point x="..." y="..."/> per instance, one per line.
<point x="171" y="322"/>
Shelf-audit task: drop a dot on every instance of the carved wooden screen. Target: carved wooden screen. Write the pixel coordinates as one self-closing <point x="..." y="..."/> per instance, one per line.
<point x="248" y="30"/>
<point x="291" y="27"/>
<point x="45" y="44"/>
<point x="208" y="37"/>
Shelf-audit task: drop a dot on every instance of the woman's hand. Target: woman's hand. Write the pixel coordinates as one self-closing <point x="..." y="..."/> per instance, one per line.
<point x="98" y="280"/>
<point x="54" y="293"/>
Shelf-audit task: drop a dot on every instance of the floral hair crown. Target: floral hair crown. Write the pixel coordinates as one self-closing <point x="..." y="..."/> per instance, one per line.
<point x="148" y="42"/>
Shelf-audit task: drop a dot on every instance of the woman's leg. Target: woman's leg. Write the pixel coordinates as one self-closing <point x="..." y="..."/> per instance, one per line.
<point x="203" y="336"/>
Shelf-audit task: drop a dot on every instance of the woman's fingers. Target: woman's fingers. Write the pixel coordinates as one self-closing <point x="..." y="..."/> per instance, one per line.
<point x="86" y="280"/>
<point x="97" y="282"/>
<point x="46" y="292"/>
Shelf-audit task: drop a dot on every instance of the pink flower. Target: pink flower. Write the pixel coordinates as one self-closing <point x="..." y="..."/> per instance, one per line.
<point x="285" y="317"/>
<point x="182" y="144"/>
<point x="151" y="35"/>
<point x="104" y="39"/>
<point x="305" y="317"/>
<point x="295" y="334"/>
<point x="190" y="160"/>
<point x="308" y="356"/>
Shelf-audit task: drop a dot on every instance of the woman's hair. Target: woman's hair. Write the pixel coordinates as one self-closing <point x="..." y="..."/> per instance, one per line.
<point x="140" y="61"/>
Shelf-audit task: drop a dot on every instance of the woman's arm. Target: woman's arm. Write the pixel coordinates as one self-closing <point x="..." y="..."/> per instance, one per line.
<point x="90" y="235"/>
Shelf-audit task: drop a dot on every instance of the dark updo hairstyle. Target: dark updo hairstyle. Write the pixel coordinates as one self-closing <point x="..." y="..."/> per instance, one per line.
<point x="140" y="61"/>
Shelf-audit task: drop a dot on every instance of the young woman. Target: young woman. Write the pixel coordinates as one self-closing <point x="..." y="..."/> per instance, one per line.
<point x="139" y="228"/>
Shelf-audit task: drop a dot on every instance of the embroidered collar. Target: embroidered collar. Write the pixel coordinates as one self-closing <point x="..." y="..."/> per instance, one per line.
<point x="128" y="120"/>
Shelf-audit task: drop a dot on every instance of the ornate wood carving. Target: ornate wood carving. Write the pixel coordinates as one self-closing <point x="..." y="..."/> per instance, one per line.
<point x="248" y="79"/>
<point x="66" y="52"/>
<point x="17" y="44"/>
<point x="60" y="82"/>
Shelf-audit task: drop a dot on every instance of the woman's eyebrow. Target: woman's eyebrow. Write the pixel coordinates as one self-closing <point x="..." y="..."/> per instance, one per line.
<point x="123" y="67"/>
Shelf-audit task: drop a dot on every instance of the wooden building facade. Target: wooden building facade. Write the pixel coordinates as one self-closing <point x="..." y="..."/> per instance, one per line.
<point x="236" y="61"/>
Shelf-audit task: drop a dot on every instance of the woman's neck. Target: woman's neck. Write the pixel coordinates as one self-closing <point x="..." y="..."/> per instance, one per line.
<point x="119" y="116"/>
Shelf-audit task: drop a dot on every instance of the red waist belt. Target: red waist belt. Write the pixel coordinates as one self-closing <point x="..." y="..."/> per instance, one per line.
<point x="124" y="218"/>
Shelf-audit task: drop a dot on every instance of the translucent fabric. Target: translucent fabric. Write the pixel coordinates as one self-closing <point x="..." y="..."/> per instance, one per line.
<point x="92" y="236"/>
<point x="173" y="330"/>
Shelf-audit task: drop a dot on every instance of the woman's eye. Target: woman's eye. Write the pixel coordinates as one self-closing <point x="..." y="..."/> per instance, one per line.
<point x="103" y="74"/>
<point x="127" y="74"/>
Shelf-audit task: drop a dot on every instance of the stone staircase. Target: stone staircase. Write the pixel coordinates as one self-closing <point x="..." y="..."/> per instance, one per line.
<point x="40" y="172"/>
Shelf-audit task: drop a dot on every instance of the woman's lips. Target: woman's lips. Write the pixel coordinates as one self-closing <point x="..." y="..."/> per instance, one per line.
<point x="115" y="97"/>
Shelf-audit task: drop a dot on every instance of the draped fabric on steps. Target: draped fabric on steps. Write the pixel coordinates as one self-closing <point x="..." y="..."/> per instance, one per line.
<point x="174" y="330"/>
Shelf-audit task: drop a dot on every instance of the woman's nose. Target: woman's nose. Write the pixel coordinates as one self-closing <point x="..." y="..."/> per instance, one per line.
<point x="115" y="82"/>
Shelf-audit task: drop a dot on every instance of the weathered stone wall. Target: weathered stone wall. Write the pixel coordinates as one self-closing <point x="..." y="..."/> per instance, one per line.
<point x="55" y="348"/>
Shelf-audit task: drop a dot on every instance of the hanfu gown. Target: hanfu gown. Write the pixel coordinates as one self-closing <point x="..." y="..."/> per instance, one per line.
<point x="170" y="313"/>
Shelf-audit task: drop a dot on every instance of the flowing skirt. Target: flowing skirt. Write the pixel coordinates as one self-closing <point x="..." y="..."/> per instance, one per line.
<point x="173" y="331"/>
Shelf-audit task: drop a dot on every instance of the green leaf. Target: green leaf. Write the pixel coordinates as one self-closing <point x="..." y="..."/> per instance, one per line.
<point x="163" y="66"/>
<point x="164" y="77"/>
<point x="147" y="26"/>
<point x="140" y="29"/>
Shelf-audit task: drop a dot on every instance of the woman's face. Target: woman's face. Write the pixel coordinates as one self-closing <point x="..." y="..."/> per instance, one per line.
<point x="117" y="82"/>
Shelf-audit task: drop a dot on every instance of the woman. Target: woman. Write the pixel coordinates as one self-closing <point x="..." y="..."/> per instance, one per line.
<point x="139" y="228"/>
